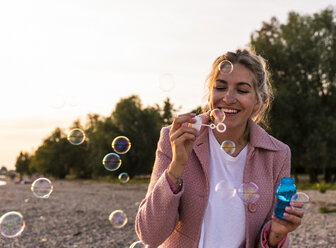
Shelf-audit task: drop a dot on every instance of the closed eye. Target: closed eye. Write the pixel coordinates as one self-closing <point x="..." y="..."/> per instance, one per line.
<point x="220" y="88"/>
<point x="220" y="85"/>
<point x="243" y="91"/>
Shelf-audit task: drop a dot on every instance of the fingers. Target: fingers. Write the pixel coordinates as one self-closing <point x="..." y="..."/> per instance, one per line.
<point x="181" y="119"/>
<point x="292" y="217"/>
<point x="183" y="133"/>
<point x="180" y="133"/>
<point x="297" y="204"/>
<point x="295" y="211"/>
<point x="280" y="221"/>
<point x="181" y="139"/>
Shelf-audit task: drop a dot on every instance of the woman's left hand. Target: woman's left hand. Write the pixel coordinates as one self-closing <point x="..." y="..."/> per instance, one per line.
<point x="293" y="217"/>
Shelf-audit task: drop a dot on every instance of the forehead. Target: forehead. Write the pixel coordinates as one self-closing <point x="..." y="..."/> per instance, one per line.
<point x="240" y="73"/>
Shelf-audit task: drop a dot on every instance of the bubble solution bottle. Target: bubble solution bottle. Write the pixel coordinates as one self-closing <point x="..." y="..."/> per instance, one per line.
<point x="285" y="191"/>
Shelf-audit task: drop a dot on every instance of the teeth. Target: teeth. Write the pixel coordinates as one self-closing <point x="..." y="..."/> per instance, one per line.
<point x="231" y="111"/>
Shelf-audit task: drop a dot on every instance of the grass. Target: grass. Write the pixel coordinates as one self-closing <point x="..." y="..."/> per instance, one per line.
<point x="135" y="180"/>
<point x="139" y="179"/>
<point x="303" y="183"/>
<point x="322" y="187"/>
<point x="326" y="210"/>
<point x="116" y="180"/>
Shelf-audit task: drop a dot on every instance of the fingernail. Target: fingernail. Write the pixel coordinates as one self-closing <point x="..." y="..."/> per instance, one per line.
<point x="285" y="214"/>
<point x="287" y="208"/>
<point x="193" y="114"/>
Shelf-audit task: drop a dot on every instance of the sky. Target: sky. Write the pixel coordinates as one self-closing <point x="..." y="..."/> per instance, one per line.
<point x="60" y="60"/>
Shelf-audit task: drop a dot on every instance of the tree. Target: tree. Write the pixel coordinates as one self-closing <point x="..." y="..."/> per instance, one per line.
<point x="100" y="133"/>
<point x="302" y="58"/>
<point x="168" y="112"/>
<point x="75" y="157"/>
<point x="22" y="163"/>
<point x="198" y="110"/>
<point x="3" y="170"/>
<point x="47" y="158"/>
<point x="142" y="126"/>
<point x="57" y="157"/>
<point x="129" y="118"/>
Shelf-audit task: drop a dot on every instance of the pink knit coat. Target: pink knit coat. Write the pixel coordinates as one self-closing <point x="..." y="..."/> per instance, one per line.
<point x="165" y="219"/>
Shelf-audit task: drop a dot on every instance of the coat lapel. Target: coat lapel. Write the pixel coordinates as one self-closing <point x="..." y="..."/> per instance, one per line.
<point x="201" y="147"/>
<point x="258" y="139"/>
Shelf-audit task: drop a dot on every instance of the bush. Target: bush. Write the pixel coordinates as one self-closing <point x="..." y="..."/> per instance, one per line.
<point x="325" y="210"/>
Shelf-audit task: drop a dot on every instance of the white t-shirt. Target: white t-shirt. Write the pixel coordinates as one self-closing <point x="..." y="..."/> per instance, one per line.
<point x="224" y="220"/>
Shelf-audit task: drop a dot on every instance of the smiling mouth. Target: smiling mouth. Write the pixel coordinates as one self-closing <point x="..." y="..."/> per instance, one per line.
<point x="230" y="111"/>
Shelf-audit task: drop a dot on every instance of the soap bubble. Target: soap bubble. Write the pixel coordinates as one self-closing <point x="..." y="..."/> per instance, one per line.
<point x="118" y="218"/>
<point x="12" y="224"/>
<point x="217" y="115"/>
<point x="228" y="146"/>
<point x="166" y="82"/>
<point x="73" y="101"/>
<point x="76" y="136"/>
<point x="57" y="101"/>
<point x="248" y="193"/>
<point x="225" y="190"/>
<point x="42" y="188"/>
<point x="225" y="67"/>
<point x="121" y="144"/>
<point x="300" y="201"/>
<point x="138" y="244"/>
<point x="123" y="177"/>
<point x="112" y="161"/>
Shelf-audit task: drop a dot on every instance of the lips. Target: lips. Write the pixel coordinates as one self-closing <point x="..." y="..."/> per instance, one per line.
<point x="229" y="111"/>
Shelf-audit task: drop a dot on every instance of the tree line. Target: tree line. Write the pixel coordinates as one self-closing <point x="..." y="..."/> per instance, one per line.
<point x="57" y="157"/>
<point x="301" y="55"/>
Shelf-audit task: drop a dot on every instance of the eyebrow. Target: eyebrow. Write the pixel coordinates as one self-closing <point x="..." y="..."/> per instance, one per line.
<point x="239" y="83"/>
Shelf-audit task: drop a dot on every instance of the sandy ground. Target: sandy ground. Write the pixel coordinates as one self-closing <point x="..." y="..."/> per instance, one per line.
<point x="76" y="215"/>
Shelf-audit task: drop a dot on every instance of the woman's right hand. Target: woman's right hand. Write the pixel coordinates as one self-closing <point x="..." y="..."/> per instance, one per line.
<point x="182" y="137"/>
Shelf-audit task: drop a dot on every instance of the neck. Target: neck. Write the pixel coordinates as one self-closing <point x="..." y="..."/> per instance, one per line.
<point x="238" y="135"/>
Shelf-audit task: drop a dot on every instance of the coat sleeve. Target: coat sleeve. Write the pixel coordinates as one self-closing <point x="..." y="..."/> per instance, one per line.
<point x="158" y="213"/>
<point x="284" y="172"/>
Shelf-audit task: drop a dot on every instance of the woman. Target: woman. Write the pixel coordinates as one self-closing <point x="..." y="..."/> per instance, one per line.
<point x="181" y="207"/>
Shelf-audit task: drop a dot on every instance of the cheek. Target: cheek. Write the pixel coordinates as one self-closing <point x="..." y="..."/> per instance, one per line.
<point x="247" y="102"/>
<point x="215" y="96"/>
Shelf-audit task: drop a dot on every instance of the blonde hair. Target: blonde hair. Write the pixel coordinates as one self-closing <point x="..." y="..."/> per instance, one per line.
<point x="257" y="65"/>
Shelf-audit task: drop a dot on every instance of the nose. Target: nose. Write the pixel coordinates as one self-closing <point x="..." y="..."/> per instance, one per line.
<point x="229" y="97"/>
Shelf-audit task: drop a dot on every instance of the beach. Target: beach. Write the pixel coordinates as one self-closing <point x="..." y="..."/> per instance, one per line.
<point x="77" y="215"/>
